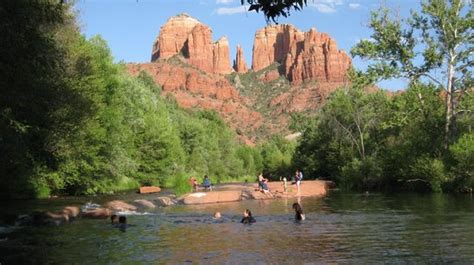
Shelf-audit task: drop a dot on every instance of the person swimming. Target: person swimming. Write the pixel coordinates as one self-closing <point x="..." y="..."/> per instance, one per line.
<point x="217" y="215"/>
<point x="114" y="219"/>
<point x="247" y="218"/>
<point x="299" y="215"/>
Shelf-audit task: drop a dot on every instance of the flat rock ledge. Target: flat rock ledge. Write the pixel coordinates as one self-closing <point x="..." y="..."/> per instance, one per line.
<point x="249" y="191"/>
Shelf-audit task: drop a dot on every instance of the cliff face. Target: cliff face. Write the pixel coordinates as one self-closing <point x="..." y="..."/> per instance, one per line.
<point x="185" y="35"/>
<point x="303" y="56"/>
<point x="293" y="71"/>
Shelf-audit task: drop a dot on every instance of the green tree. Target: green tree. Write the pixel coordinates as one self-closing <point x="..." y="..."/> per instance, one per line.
<point x="33" y="89"/>
<point x="272" y="9"/>
<point x="463" y="166"/>
<point x="436" y="46"/>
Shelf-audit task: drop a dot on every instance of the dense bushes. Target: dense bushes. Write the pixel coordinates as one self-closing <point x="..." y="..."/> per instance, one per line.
<point x="368" y="141"/>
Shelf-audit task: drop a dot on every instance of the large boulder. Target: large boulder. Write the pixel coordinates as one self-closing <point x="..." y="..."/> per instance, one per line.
<point x="117" y="205"/>
<point x="164" y="201"/>
<point x="97" y="213"/>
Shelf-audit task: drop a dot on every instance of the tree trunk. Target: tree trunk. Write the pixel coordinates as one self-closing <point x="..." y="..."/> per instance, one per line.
<point x="450" y="94"/>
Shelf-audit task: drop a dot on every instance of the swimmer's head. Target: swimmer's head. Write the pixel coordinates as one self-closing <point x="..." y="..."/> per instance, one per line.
<point x="122" y="220"/>
<point x="114" y="219"/>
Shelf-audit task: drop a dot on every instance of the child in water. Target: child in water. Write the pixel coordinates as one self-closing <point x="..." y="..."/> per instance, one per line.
<point x="247" y="218"/>
<point x="114" y="219"/>
<point x="299" y="215"/>
<point x="217" y="215"/>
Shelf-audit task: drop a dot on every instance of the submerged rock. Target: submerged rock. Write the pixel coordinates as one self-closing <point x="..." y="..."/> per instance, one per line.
<point x="97" y="213"/>
<point x="145" y="204"/>
<point x="72" y="211"/>
<point x="164" y="201"/>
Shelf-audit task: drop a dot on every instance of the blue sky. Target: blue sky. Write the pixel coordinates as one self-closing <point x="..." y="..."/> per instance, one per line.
<point x="131" y="26"/>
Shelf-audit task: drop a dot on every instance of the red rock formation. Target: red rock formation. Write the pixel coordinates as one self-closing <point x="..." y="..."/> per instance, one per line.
<point x="269" y="76"/>
<point x="304" y="56"/>
<point x="185" y="35"/>
<point x="173" y="36"/>
<point x="194" y="78"/>
<point x="239" y="64"/>
<point x="221" y="58"/>
<point x="198" y="48"/>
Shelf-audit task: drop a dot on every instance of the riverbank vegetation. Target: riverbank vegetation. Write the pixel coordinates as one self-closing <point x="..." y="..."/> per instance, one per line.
<point x="418" y="139"/>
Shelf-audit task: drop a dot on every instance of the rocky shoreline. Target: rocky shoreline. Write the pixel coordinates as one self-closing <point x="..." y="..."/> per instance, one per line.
<point x="221" y="193"/>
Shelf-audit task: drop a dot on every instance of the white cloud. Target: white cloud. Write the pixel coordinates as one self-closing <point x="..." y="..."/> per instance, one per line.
<point x="224" y="1"/>
<point x="325" y="6"/>
<point x="232" y="10"/>
<point x="354" y="5"/>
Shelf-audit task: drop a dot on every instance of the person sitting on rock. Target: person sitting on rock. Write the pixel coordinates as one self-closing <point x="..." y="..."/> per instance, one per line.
<point x="299" y="215"/>
<point x="247" y="217"/>
<point x="263" y="186"/>
<point x="207" y="183"/>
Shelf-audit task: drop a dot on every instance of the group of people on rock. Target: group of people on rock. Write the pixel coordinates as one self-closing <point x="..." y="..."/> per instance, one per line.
<point x="247" y="217"/>
<point x="262" y="183"/>
<point x="206" y="183"/>
<point x="263" y="186"/>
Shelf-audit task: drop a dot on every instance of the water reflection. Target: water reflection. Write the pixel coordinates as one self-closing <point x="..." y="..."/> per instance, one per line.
<point x="341" y="228"/>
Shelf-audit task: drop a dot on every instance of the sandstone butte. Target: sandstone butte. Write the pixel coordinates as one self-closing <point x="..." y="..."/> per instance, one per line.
<point x="303" y="55"/>
<point x="186" y="63"/>
<point x="185" y="35"/>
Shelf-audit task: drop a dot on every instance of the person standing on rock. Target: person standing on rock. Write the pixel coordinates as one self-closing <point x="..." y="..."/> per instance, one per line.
<point x="194" y="183"/>
<point x="261" y="180"/>
<point x="298" y="179"/>
<point x="285" y="185"/>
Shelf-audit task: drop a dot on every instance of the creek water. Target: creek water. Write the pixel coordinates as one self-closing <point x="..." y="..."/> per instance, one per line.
<point x="340" y="228"/>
